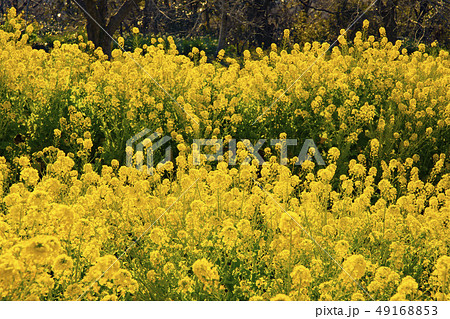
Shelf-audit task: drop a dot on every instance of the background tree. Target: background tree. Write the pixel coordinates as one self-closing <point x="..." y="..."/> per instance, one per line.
<point x="101" y="23"/>
<point x="240" y="24"/>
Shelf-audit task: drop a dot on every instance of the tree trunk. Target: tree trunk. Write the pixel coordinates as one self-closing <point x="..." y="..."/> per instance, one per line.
<point x="423" y="10"/>
<point x="207" y="20"/>
<point x="342" y="15"/>
<point x="268" y="28"/>
<point x="223" y="30"/>
<point x="149" y="17"/>
<point x="259" y="15"/>
<point x="388" y="14"/>
<point x="99" y="29"/>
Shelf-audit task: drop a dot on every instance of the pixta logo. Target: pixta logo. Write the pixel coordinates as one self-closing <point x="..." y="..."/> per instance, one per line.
<point x="141" y="148"/>
<point x="308" y="152"/>
<point x="144" y="141"/>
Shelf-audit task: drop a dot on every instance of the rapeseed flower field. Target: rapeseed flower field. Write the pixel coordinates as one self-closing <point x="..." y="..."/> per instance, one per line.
<point x="77" y="223"/>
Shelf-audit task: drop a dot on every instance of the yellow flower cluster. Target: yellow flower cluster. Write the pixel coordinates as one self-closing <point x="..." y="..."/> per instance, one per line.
<point x="205" y="272"/>
<point x="372" y="223"/>
<point x="373" y="95"/>
<point x="216" y="234"/>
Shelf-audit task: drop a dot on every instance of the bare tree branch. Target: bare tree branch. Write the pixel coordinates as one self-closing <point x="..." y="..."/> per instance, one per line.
<point x="120" y="15"/>
<point x="306" y="4"/>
